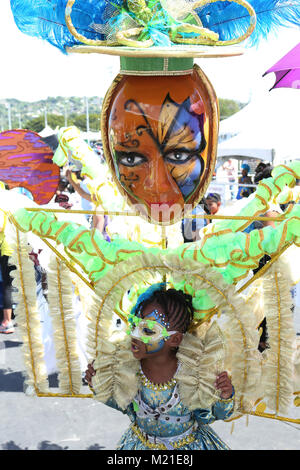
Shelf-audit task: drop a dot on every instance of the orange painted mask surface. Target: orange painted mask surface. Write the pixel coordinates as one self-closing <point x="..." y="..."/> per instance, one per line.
<point x="26" y="161"/>
<point x="159" y="132"/>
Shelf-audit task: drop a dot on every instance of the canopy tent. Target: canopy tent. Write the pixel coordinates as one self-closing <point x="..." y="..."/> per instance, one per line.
<point x="242" y="148"/>
<point x="266" y="129"/>
<point x="91" y="136"/>
<point x="47" y="131"/>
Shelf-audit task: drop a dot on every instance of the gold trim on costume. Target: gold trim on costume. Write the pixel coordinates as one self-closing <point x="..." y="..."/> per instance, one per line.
<point x="159" y="387"/>
<point x="177" y="51"/>
<point x="28" y="317"/>
<point x="156" y="73"/>
<point x="64" y="324"/>
<point x="176" y="445"/>
<point x="73" y="31"/>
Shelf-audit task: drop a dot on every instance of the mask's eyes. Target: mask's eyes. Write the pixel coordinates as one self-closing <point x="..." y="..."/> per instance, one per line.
<point x="178" y="156"/>
<point x="131" y="159"/>
<point x="148" y="332"/>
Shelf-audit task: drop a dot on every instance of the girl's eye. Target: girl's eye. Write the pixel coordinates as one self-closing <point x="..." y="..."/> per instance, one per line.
<point x="177" y="156"/>
<point x="131" y="159"/>
<point x="148" y="332"/>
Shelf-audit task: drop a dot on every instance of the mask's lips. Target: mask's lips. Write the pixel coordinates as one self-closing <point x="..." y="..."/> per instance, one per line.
<point x="159" y="205"/>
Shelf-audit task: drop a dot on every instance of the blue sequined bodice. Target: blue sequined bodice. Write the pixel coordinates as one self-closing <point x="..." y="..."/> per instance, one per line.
<point x="159" y="413"/>
<point x="155" y="397"/>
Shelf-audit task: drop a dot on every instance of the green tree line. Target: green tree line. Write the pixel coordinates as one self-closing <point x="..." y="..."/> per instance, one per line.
<point x="53" y="120"/>
<point x="71" y="111"/>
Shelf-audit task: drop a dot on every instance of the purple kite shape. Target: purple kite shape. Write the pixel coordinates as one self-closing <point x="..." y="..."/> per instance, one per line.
<point x="287" y="70"/>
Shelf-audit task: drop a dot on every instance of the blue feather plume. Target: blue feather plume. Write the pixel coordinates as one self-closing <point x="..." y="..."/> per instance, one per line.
<point x="147" y="295"/>
<point x="231" y="20"/>
<point x="45" y="19"/>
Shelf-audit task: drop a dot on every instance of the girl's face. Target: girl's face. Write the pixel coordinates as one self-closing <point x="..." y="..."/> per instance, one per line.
<point x="159" y="144"/>
<point x="150" y="332"/>
<point x="213" y="206"/>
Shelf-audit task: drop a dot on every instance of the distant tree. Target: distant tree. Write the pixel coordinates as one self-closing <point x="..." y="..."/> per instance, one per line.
<point x="80" y="121"/>
<point x="229" y="107"/>
<point x="38" y="124"/>
<point x="74" y="106"/>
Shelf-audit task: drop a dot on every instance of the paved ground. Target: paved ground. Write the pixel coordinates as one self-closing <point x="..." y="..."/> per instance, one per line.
<point x="66" y="423"/>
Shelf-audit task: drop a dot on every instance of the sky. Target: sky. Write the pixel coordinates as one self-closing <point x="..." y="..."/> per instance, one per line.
<point x="32" y="69"/>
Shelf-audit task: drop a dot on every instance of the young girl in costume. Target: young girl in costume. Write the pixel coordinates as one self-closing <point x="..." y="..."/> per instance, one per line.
<point x="160" y="420"/>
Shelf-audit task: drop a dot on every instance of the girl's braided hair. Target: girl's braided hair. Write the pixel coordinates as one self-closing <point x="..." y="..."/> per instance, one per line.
<point x="177" y="306"/>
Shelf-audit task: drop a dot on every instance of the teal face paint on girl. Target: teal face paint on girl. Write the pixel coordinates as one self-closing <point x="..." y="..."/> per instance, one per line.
<point x="152" y="331"/>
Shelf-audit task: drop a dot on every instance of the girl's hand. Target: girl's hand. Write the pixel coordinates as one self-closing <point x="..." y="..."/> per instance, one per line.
<point x="89" y="373"/>
<point x="223" y="383"/>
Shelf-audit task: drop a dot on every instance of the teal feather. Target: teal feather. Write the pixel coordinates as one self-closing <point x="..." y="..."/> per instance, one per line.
<point x="45" y="19"/>
<point x="147" y="295"/>
<point x="231" y="20"/>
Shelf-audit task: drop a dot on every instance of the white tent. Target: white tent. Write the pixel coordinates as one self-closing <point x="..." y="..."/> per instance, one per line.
<point x="91" y="136"/>
<point x="266" y="129"/>
<point x="47" y="131"/>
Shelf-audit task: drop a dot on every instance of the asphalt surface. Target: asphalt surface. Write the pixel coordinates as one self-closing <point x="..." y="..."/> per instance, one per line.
<point x="31" y="423"/>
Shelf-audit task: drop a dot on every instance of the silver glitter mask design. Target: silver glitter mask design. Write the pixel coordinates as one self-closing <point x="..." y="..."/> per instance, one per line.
<point x="151" y="331"/>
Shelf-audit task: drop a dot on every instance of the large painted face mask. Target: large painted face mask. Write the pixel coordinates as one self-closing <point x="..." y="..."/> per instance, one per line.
<point x="151" y="330"/>
<point x="160" y="137"/>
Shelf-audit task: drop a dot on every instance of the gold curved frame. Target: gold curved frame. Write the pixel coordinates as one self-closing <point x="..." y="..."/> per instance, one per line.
<point x="206" y="37"/>
<point x="74" y="32"/>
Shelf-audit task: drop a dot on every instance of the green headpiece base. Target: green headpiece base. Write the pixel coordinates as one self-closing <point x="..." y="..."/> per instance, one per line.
<point x="156" y="65"/>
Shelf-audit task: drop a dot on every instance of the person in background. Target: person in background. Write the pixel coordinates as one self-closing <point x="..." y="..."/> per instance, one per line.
<point x="81" y="188"/>
<point x="213" y="202"/>
<point x="273" y="212"/>
<point x="62" y="196"/>
<point x="190" y="227"/>
<point x="96" y="221"/>
<point x="263" y="170"/>
<point x="61" y="188"/>
<point x="245" y="179"/>
<point x="230" y="173"/>
<point x="6" y="326"/>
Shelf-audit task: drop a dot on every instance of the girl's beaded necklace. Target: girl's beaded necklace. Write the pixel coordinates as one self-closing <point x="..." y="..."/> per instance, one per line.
<point x="164" y="386"/>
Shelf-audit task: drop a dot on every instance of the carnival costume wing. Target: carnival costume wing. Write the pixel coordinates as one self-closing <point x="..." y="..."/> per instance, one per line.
<point x="113" y="269"/>
<point x="224" y="246"/>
